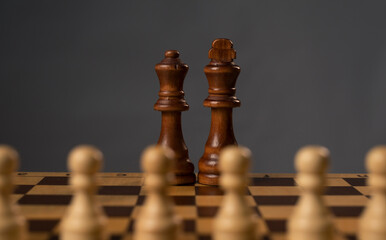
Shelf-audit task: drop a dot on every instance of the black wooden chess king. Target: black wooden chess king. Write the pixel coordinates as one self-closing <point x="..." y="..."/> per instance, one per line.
<point x="222" y="74"/>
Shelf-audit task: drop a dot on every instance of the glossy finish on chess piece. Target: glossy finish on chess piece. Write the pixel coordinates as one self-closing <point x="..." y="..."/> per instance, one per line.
<point x="222" y="74"/>
<point x="171" y="73"/>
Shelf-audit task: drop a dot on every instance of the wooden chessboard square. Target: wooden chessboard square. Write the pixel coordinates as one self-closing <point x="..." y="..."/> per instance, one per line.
<point x="184" y="212"/>
<point x="178" y="200"/>
<point x="356" y="181"/>
<point x="277" y="226"/>
<point x="54" y="181"/>
<point x="207" y="211"/>
<point x="45" y="199"/>
<point x="267" y="181"/>
<point x="204" y="225"/>
<point x="119" y="190"/>
<point x="22" y="180"/>
<point x="341" y="191"/>
<point x="276" y="191"/>
<point x="363" y="190"/>
<point x="175" y="190"/>
<point x="349" y="226"/>
<point x="117" y="200"/>
<point x="51" y="190"/>
<point x="205" y="201"/>
<point x="118" y="211"/>
<point x="343" y="211"/>
<point x="181" y="191"/>
<point x="120" y="181"/>
<point x="336" y="182"/>
<point x="342" y="200"/>
<point x="212" y="211"/>
<point x="276" y="200"/>
<point x="43" y="212"/>
<point x="276" y="212"/>
<point x="22" y="189"/>
<point x="35" y="225"/>
<point x="277" y="236"/>
<point x="16" y="197"/>
<point x="189" y="225"/>
<point x="39" y="236"/>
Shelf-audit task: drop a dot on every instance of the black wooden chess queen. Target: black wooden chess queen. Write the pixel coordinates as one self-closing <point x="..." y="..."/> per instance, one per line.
<point x="171" y="73"/>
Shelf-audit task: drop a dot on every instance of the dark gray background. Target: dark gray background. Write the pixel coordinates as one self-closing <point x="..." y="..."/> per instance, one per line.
<point x="312" y="72"/>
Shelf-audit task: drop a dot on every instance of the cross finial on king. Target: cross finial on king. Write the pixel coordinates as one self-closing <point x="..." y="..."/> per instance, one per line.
<point x="222" y="50"/>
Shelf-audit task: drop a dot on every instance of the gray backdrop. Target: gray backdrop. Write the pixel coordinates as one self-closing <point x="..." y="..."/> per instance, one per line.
<point x="312" y="72"/>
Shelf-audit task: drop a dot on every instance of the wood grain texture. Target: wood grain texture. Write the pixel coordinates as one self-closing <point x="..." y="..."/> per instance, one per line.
<point x="222" y="74"/>
<point x="171" y="73"/>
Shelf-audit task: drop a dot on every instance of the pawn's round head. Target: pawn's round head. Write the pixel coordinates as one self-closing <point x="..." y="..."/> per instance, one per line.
<point x="157" y="159"/>
<point x="85" y="159"/>
<point x="234" y="159"/>
<point x="376" y="160"/>
<point x="312" y="159"/>
<point x="9" y="159"/>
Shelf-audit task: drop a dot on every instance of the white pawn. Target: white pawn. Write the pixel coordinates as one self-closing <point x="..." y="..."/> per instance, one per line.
<point x="372" y="223"/>
<point x="311" y="219"/>
<point x="12" y="224"/>
<point x="234" y="221"/>
<point x="84" y="219"/>
<point x="156" y="220"/>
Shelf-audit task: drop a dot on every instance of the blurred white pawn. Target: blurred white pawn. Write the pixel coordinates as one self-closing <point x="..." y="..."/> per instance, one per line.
<point x="12" y="224"/>
<point x="311" y="220"/>
<point x="84" y="219"/>
<point x="234" y="220"/>
<point x="156" y="220"/>
<point x="372" y="224"/>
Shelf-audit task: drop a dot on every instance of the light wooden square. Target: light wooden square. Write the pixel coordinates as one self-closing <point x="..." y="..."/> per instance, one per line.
<point x="346" y="225"/>
<point x="42" y="211"/>
<point x="51" y="190"/>
<point x="276" y="212"/>
<point x="117" y="225"/>
<point x="274" y="191"/>
<point x="25" y="180"/>
<point x="117" y="200"/>
<point x="119" y="181"/>
<point x="204" y="225"/>
<point x="342" y="200"/>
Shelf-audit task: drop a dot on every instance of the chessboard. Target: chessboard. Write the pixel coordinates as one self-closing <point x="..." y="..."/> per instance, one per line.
<point x="43" y="198"/>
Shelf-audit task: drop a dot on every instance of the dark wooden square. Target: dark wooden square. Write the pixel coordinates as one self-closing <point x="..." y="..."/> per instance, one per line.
<point x="276" y="200"/>
<point x="117" y="211"/>
<point x="119" y="190"/>
<point x="277" y="225"/>
<point x="45" y="199"/>
<point x="42" y="225"/>
<point x="207" y="211"/>
<point x="341" y="191"/>
<point x="189" y="225"/>
<point x="22" y="189"/>
<point x="272" y="182"/>
<point x="347" y="211"/>
<point x="54" y="181"/>
<point x="356" y="181"/>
